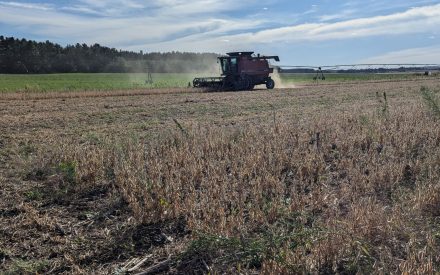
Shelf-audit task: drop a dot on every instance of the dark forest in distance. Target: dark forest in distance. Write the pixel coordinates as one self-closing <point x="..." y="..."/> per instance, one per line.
<point x="21" y="56"/>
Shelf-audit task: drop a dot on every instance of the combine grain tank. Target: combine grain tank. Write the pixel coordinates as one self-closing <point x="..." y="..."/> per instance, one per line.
<point x="240" y="71"/>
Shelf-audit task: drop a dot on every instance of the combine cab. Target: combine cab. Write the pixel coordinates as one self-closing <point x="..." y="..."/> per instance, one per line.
<point x="240" y="71"/>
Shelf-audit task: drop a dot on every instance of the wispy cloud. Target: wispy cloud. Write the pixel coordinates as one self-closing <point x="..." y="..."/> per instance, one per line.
<point x="416" y="20"/>
<point x="427" y="55"/>
<point x="344" y="14"/>
<point x="81" y="10"/>
<point x="213" y="25"/>
<point x="27" y="5"/>
<point x="120" y="8"/>
<point x="374" y="6"/>
<point x="115" y="31"/>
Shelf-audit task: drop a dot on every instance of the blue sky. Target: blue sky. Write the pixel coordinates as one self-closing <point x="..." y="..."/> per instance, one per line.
<point x="301" y="32"/>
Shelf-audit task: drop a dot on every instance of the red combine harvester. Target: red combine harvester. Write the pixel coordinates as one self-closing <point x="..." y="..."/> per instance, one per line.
<point x="240" y="71"/>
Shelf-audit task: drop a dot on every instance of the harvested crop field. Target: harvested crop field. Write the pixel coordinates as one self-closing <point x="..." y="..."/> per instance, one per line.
<point x="318" y="179"/>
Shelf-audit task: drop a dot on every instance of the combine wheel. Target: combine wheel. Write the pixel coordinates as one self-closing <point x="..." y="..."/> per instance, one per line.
<point x="237" y="85"/>
<point x="228" y="86"/>
<point x="270" y="84"/>
<point x="249" y="84"/>
<point x="246" y="84"/>
<point x="241" y="84"/>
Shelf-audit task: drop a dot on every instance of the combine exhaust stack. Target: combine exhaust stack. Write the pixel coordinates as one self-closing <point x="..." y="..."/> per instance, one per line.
<point x="240" y="71"/>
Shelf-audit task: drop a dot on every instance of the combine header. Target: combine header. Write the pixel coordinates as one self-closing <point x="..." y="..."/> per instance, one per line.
<point x="240" y="71"/>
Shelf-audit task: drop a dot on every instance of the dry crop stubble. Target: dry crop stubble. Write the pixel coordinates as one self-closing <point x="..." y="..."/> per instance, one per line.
<point x="250" y="195"/>
<point x="356" y="193"/>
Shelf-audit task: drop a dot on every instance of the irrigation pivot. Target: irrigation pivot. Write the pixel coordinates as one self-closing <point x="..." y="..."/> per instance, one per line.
<point x="426" y="69"/>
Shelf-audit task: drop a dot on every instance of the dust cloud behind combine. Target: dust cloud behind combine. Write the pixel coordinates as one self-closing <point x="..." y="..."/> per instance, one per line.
<point x="279" y="82"/>
<point x="139" y="70"/>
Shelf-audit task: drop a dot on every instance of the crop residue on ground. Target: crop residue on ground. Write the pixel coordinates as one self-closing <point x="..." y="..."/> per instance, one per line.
<point x="320" y="179"/>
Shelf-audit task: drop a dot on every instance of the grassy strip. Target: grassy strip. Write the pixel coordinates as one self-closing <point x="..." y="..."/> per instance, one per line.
<point x="81" y="82"/>
<point x="120" y="81"/>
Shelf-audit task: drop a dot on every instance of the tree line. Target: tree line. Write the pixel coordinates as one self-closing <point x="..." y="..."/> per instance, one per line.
<point x="21" y="56"/>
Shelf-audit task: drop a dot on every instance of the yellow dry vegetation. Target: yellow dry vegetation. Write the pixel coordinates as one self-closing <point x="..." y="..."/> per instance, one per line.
<point x="332" y="179"/>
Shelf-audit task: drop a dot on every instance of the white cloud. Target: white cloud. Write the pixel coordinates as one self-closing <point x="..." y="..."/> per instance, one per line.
<point x="341" y="15"/>
<point x="416" y="20"/>
<point x="113" y="3"/>
<point x="27" y="5"/>
<point x="375" y="6"/>
<point x="118" y="32"/>
<point x="198" y="25"/>
<point x="126" y="8"/>
<point x="81" y="9"/>
<point x="161" y="7"/>
<point x="426" y="55"/>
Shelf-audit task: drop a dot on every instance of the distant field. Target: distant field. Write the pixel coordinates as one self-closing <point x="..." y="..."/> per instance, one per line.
<point x="340" y="77"/>
<point x="75" y="82"/>
<point x="122" y="81"/>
